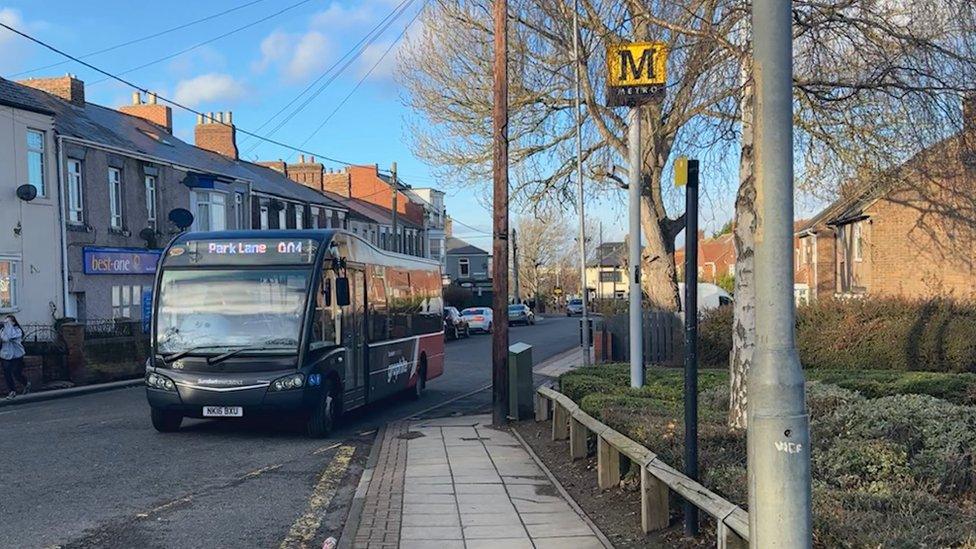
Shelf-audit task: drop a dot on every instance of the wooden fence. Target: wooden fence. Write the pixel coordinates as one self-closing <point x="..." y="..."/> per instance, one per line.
<point x="657" y="479"/>
<point x="663" y="343"/>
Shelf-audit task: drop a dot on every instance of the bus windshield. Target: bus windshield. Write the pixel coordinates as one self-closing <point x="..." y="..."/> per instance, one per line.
<point x="220" y="309"/>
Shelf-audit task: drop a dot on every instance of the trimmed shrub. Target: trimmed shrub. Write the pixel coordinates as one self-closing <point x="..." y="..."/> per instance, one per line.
<point x="868" y="334"/>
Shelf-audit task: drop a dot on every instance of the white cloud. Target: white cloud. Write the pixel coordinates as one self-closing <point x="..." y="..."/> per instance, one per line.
<point x="311" y="54"/>
<point x="207" y="88"/>
<point x="274" y="47"/>
<point x="10" y="16"/>
<point x="337" y="15"/>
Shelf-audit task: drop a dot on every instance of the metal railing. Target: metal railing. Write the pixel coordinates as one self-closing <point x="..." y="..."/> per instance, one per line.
<point x="657" y="479"/>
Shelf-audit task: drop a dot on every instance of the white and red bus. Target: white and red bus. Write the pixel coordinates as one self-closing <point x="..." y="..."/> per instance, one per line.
<point x="313" y="322"/>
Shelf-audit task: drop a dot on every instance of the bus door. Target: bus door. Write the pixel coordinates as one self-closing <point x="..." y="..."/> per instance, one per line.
<point x="354" y="340"/>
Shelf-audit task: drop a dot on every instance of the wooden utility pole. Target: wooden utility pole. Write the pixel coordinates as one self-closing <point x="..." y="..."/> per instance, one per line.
<point x="393" y="187"/>
<point x="515" y="267"/>
<point x="499" y="115"/>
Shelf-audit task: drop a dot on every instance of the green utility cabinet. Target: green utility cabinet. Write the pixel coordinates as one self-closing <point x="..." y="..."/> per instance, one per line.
<point x="520" y="387"/>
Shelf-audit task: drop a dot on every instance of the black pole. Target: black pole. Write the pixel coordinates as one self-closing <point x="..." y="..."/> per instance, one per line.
<point x="691" y="340"/>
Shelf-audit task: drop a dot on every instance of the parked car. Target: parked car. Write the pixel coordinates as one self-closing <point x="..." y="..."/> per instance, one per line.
<point x="574" y="307"/>
<point x="455" y="325"/>
<point x="480" y="319"/>
<point x="710" y="296"/>
<point x="520" y="314"/>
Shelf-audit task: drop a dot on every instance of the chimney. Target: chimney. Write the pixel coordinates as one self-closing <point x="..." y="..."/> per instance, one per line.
<point x="216" y="134"/>
<point x="276" y="165"/>
<point x="307" y="172"/>
<point x="969" y="113"/>
<point x="339" y="182"/>
<point x="66" y="87"/>
<point x="152" y="111"/>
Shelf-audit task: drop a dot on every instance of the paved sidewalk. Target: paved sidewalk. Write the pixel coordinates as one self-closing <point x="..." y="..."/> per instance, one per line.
<point x="458" y="483"/>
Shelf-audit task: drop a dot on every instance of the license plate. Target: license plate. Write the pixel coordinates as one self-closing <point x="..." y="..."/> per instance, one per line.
<point x="223" y="411"/>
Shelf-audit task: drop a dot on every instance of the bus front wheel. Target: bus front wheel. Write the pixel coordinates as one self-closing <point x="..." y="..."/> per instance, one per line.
<point x="322" y="420"/>
<point x="166" y="422"/>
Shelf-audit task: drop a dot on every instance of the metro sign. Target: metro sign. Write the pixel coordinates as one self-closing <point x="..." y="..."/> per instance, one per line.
<point x="636" y="73"/>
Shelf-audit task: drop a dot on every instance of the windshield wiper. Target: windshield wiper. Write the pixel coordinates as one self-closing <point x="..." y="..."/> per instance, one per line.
<point x="180" y="354"/>
<point x="234" y="352"/>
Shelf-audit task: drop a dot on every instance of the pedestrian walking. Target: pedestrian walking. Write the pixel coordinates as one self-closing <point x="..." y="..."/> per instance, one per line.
<point x="12" y="355"/>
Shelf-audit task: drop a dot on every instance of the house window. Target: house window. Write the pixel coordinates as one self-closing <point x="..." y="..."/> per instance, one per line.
<point x="299" y="217"/>
<point x="75" y="209"/>
<point x="315" y="218"/>
<point x="464" y="268"/>
<point x="8" y="284"/>
<point x="264" y="216"/>
<point x="283" y="217"/>
<point x="115" y="198"/>
<point x="211" y="211"/>
<point x="126" y="300"/>
<point x="858" y="243"/>
<point x="151" y="200"/>
<point x="35" y="161"/>
<point x="239" y="219"/>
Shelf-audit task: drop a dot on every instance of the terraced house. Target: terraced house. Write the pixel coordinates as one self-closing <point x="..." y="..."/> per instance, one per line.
<point x="116" y="174"/>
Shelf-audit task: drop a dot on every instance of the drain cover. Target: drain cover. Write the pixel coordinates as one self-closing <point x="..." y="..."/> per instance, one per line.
<point x="411" y="435"/>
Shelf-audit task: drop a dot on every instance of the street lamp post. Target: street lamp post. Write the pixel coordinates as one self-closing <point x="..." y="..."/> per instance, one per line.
<point x="778" y="440"/>
<point x="584" y="294"/>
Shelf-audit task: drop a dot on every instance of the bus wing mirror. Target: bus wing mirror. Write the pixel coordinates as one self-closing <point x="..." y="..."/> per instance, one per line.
<point x="342" y="291"/>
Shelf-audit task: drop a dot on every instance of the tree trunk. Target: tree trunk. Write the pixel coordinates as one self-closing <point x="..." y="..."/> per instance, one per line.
<point x="657" y="261"/>
<point x="744" y="236"/>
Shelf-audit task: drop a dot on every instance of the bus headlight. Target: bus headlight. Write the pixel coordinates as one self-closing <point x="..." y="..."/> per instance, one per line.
<point x="289" y="382"/>
<point x="163" y="383"/>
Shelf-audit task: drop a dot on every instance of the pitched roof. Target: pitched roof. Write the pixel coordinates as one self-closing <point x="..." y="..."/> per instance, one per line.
<point x="12" y="95"/>
<point x="609" y="254"/>
<point x="115" y="129"/>
<point x="866" y="191"/>
<point x="456" y="246"/>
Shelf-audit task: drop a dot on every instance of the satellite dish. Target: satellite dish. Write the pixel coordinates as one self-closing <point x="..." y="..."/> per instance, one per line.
<point x="181" y="217"/>
<point x="26" y="192"/>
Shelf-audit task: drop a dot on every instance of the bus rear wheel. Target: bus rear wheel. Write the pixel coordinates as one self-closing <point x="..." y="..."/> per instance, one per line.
<point x="165" y="422"/>
<point x="322" y="419"/>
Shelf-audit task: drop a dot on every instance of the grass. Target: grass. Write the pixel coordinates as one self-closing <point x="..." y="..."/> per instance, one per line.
<point x="893" y="452"/>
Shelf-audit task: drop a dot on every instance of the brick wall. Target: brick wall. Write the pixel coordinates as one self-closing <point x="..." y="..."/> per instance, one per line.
<point x="216" y="134"/>
<point x="161" y="115"/>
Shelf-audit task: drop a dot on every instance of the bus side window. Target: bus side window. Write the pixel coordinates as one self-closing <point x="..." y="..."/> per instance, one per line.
<point x="379" y="328"/>
<point x="323" y="324"/>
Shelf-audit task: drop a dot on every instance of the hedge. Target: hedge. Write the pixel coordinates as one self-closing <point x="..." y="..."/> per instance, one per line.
<point x="866" y="334"/>
<point x="894" y="471"/>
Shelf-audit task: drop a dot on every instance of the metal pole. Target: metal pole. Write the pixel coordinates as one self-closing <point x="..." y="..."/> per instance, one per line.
<point x="778" y="424"/>
<point x="515" y="267"/>
<point x="633" y="257"/>
<point x="584" y="295"/>
<point x="691" y="341"/>
<point x="393" y="188"/>
<point x="499" y="339"/>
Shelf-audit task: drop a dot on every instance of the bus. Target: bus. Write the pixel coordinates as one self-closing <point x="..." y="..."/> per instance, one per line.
<point x="305" y="323"/>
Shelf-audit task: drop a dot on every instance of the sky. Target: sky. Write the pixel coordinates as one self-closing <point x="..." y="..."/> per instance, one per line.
<point x="256" y="59"/>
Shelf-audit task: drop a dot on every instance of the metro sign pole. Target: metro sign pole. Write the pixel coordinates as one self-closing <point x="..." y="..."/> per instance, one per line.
<point x="635" y="76"/>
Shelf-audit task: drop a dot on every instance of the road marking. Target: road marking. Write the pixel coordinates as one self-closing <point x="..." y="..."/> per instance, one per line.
<point x="325" y="449"/>
<point x="260" y="471"/>
<point x="305" y="527"/>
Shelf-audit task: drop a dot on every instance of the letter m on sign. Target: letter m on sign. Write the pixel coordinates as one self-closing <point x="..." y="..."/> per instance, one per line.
<point x="637" y="64"/>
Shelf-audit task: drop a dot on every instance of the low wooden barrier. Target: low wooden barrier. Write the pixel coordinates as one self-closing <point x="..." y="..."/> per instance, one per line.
<point x="657" y="479"/>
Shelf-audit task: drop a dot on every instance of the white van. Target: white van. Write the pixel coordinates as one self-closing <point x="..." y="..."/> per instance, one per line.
<point x="710" y="296"/>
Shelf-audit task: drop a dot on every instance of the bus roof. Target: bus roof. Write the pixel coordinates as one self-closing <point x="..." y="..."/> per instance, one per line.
<point x="360" y="250"/>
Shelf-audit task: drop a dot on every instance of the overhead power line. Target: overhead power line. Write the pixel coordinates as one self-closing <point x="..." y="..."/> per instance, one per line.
<point x="364" y="77"/>
<point x="332" y="67"/>
<point x="164" y="99"/>
<point x="208" y="41"/>
<point x="145" y="38"/>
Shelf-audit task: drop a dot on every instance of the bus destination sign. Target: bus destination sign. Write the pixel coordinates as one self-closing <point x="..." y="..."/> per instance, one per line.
<point x="245" y="251"/>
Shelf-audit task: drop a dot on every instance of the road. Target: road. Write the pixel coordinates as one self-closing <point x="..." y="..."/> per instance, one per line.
<point x="90" y="471"/>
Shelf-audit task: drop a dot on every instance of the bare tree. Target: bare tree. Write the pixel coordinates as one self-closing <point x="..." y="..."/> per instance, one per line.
<point x="544" y="240"/>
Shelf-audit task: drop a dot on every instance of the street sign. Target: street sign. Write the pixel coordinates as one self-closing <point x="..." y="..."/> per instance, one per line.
<point x="636" y="73"/>
<point x="557" y="291"/>
<point x="685" y="170"/>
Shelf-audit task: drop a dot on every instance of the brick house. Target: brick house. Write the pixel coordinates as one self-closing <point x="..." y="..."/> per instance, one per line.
<point x="716" y="258"/>
<point x="606" y="274"/>
<point x="907" y="232"/>
<point x="368" y="216"/>
<point x="120" y="171"/>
